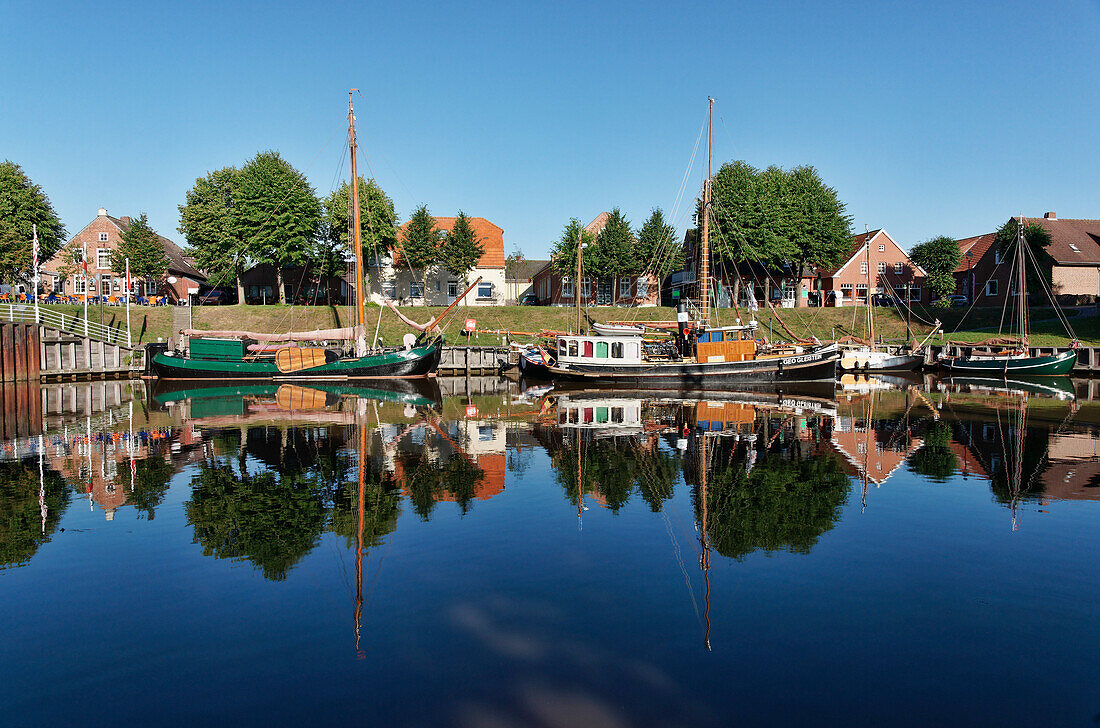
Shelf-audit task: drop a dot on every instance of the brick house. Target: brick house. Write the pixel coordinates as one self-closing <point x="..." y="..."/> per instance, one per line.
<point x="1075" y="248"/>
<point x="890" y="269"/>
<point x="981" y="275"/>
<point x="303" y="284"/>
<point x="102" y="236"/>
<point x="555" y="289"/>
<point x="391" y="278"/>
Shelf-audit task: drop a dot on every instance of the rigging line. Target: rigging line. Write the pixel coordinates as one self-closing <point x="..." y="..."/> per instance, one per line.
<point x="687" y="172"/>
<point x="1050" y="295"/>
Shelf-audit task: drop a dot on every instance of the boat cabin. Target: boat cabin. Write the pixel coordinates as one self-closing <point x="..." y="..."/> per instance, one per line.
<point x="730" y="343"/>
<point x="600" y="349"/>
<point x="614" y="416"/>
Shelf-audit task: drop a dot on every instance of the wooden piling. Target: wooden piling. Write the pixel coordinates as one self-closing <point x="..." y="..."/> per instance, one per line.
<point x="34" y="353"/>
<point x="19" y="334"/>
<point x="7" y="351"/>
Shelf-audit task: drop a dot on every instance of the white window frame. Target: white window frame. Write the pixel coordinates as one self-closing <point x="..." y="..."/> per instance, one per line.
<point x="416" y="289"/>
<point x="586" y="288"/>
<point x="566" y="287"/>
<point x="80" y="284"/>
<point x="626" y="287"/>
<point x="103" y="237"/>
<point x="914" y="293"/>
<point x="389" y="289"/>
<point x="99" y="256"/>
<point x="861" y="290"/>
<point x="863" y="268"/>
<point x="788" y="292"/>
<point x="881" y="267"/>
<point x="991" y="287"/>
<point x="452" y="289"/>
<point x="882" y="247"/>
<point x="641" y="287"/>
<point x="899" y="268"/>
<point x="845" y="290"/>
<point x="481" y="294"/>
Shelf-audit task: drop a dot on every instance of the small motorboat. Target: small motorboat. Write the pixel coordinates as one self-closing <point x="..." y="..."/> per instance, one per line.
<point x="618" y="329"/>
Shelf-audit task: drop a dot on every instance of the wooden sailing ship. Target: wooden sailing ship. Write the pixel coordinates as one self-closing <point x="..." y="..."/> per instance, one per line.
<point x="221" y="355"/>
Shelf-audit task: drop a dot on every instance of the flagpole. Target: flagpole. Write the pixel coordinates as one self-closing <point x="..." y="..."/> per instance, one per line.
<point x="85" y="289"/>
<point x="129" y="292"/>
<point x="37" y="316"/>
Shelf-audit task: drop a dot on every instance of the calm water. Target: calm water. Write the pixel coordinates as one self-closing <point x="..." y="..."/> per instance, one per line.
<point x="906" y="553"/>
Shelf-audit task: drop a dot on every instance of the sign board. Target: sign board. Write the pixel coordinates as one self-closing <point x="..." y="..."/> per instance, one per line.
<point x="471" y="410"/>
<point x="471" y="324"/>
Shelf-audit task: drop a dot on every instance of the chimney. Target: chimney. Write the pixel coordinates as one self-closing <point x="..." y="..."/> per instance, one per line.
<point x="102" y="212"/>
<point x="124" y="220"/>
<point x="1050" y="216"/>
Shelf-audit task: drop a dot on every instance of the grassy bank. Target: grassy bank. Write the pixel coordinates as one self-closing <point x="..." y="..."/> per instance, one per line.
<point x="154" y="324"/>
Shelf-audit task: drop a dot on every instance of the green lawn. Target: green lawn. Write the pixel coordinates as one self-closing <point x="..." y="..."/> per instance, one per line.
<point x="153" y="324"/>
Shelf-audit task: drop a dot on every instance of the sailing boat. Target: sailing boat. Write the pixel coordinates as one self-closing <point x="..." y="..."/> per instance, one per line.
<point x="1015" y="357"/>
<point x="698" y="354"/>
<point x="857" y="355"/>
<point x="218" y="355"/>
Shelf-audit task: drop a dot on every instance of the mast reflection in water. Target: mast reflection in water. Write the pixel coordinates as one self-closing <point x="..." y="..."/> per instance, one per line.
<point x="571" y="556"/>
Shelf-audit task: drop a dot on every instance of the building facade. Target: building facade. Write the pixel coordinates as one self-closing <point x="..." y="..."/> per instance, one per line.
<point x="102" y="237"/>
<point x="982" y="276"/>
<point x="876" y="265"/>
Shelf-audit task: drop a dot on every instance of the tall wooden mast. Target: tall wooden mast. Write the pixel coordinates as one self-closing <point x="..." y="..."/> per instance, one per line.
<point x="1022" y="290"/>
<point x="704" y="263"/>
<point x="577" y="283"/>
<point x="356" y="234"/>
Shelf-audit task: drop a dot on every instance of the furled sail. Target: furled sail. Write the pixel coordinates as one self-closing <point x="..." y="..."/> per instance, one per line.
<point x="346" y="333"/>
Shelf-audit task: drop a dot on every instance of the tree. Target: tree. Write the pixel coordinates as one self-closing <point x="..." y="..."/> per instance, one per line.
<point x="657" y="249"/>
<point x="278" y="214"/>
<point x="616" y="252"/>
<point x="421" y="240"/>
<point x="70" y="260"/>
<point x="23" y="205"/>
<point x="377" y="224"/>
<point x="461" y="250"/>
<point x="141" y="244"/>
<point x="1037" y="239"/>
<point x="563" y="252"/>
<point x="781" y="220"/>
<point x="208" y="221"/>
<point x="938" y="257"/>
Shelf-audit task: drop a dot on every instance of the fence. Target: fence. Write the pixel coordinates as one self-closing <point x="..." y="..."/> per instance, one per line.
<point x="26" y="313"/>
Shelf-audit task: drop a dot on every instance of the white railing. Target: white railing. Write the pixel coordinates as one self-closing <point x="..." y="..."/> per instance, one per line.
<point x="25" y="313"/>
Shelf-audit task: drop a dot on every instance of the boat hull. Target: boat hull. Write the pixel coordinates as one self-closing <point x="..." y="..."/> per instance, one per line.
<point x="417" y="362"/>
<point x="868" y="360"/>
<point x="1030" y="366"/>
<point x="819" y="365"/>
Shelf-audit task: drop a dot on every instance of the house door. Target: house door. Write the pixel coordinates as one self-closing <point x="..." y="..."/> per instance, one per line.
<point x="604" y="295"/>
<point x="452" y="292"/>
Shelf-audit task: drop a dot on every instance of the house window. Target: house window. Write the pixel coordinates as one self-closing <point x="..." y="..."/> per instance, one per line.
<point x="416" y="289"/>
<point x="898" y="268"/>
<point x="484" y="290"/>
<point x="566" y="288"/>
<point x="991" y="288"/>
<point x="150" y="287"/>
<point x="586" y="288"/>
<point x="997" y="257"/>
<point x="437" y="285"/>
<point x="914" y="293"/>
<point x="642" y="290"/>
<point x="845" y="290"/>
<point x="103" y="258"/>
<point x="863" y="268"/>
<point x="788" y="293"/>
<point x="80" y="284"/>
<point x="861" y="290"/>
<point x="882" y="248"/>
<point x="103" y="237"/>
<point x="624" y="287"/>
<point x="452" y="289"/>
<point x="881" y="267"/>
<point x="389" y="289"/>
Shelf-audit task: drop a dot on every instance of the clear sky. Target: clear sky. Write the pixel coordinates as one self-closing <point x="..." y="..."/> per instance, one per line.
<point x="928" y="118"/>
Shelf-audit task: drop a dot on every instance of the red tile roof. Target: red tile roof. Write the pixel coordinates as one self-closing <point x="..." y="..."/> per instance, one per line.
<point x="977" y="246"/>
<point x="1065" y="235"/>
<point x="490" y="236"/>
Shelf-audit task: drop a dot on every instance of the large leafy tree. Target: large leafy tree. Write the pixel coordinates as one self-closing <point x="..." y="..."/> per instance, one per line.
<point x="377" y="224"/>
<point x="461" y="250"/>
<point x="1037" y="239"/>
<point x="783" y="220"/>
<point x="143" y="247"/>
<point x="23" y="205"/>
<point x="208" y="221"/>
<point x="616" y="252"/>
<point x="421" y="240"/>
<point x="278" y="214"/>
<point x="938" y="257"/>
<point x="564" y="250"/>
<point x="658" y="250"/>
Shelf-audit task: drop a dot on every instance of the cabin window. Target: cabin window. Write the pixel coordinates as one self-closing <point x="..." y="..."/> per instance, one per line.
<point x="746" y="336"/>
<point x="589" y="413"/>
<point x="631" y="351"/>
<point x="601" y="349"/>
<point x="566" y="288"/>
<point x="588" y="348"/>
<point x="899" y="268"/>
<point x="624" y="287"/>
<point x="601" y="415"/>
<point x="485" y="290"/>
<point x="616" y="350"/>
<point x="573" y="347"/>
<point x="563" y="417"/>
<point x="572" y="416"/>
<point x="617" y="414"/>
<point x="562" y="346"/>
<point x="991" y="288"/>
<point x="881" y="267"/>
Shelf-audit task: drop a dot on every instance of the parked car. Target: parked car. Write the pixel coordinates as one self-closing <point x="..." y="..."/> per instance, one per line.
<point x="216" y="297"/>
<point x="958" y="300"/>
<point x="881" y="299"/>
<point x="529" y="299"/>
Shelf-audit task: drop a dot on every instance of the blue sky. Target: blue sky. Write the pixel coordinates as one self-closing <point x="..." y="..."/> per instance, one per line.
<point x="928" y="118"/>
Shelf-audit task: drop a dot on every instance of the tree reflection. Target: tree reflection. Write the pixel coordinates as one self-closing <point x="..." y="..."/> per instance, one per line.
<point x="781" y="504"/>
<point x="935" y="460"/>
<point x="430" y="480"/>
<point x="22" y="531"/>
<point x="149" y="484"/>
<point x="613" y="468"/>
